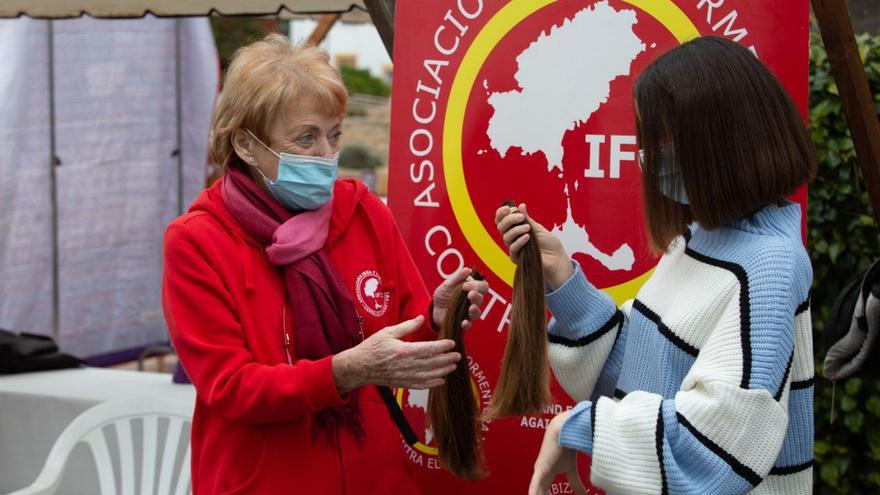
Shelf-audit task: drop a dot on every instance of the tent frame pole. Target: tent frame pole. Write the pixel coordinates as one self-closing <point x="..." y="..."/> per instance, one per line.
<point x="382" y="14"/>
<point x="178" y="95"/>
<point x="53" y="185"/>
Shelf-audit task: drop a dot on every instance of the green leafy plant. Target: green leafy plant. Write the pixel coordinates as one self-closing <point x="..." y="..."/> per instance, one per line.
<point x="842" y="240"/>
<point x="361" y="81"/>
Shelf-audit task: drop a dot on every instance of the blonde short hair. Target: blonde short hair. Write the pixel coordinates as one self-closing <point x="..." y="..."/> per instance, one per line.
<point x="263" y="78"/>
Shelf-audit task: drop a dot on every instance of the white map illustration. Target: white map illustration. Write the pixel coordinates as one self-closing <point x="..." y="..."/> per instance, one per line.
<point x="419" y="399"/>
<point x="564" y="77"/>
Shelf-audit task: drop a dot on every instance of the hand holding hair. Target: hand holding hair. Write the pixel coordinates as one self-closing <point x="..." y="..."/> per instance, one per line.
<point x="444" y="296"/>
<point x="452" y="407"/>
<point x="517" y="228"/>
<point x="524" y="383"/>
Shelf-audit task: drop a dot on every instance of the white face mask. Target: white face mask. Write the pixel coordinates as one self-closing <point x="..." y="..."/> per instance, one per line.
<point x="303" y="182"/>
<point x="670" y="179"/>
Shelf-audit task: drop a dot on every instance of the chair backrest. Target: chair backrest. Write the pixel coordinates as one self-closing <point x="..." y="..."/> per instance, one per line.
<point x="158" y="422"/>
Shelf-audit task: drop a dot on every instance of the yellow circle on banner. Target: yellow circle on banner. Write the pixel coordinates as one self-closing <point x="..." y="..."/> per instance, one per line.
<point x="664" y="11"/>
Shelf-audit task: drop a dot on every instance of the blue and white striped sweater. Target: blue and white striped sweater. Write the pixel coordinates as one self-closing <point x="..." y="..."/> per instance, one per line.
<point x="703" y="383"/>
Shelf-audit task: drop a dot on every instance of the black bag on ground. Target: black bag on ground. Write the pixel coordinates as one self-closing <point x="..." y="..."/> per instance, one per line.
<point x="20" y="353"/>
<point x="853" y="328"/>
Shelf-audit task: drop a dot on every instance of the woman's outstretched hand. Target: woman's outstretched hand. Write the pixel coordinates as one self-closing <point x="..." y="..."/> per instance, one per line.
<point x="385" y="358"/>
<point x="555" y="459"/>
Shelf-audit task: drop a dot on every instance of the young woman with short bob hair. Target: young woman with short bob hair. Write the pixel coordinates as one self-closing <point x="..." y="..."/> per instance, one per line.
<point x="702" y="383"/>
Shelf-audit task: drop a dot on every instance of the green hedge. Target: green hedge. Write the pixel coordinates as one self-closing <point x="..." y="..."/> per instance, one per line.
<point x="361" y="81"/>
<point x="843" y="240"/>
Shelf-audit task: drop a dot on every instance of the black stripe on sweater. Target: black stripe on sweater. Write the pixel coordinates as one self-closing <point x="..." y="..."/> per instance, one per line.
<point x="664" y="330"/>
<point x="802" y="384"/>
<point x="804" y="305"/>
<point x="619" y="329"/>
<point x="797" y="468"/>
<point x="739" y="468"/>
<point x="784" y="377"/>
<point x="744" y="308"/>
<point x="659" y="445"/>
<point x="611" y="324"/>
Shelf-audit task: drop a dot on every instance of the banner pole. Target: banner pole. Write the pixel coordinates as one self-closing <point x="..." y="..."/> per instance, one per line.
<point x="855" y="92"/>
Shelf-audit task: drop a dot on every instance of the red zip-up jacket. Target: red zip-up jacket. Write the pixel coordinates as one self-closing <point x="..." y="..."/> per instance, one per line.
<point x="224" y="304"/>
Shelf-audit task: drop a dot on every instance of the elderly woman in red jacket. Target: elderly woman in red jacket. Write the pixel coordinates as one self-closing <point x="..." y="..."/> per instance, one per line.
<point x="290" y="294"/>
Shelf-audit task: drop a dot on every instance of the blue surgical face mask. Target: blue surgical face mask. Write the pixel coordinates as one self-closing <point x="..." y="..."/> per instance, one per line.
<point x="303" y="182"/>
<point x="669" y="177"/>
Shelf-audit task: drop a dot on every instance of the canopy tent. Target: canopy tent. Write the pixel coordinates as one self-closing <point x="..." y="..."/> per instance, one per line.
<point x="58" y="9"/>
<point x="58" y="297"/>
<point x="103" y="141"/>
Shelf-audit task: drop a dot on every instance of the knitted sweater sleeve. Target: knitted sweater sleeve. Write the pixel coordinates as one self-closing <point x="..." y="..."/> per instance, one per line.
<point x="724" y="428"/>
<point x="587" y="338"/>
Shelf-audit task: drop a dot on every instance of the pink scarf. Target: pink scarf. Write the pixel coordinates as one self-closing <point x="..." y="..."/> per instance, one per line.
<point x="326" y="321"/>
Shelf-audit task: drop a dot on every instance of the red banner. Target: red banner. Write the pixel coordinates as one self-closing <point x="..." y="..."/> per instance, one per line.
<point x="531" y="100"/>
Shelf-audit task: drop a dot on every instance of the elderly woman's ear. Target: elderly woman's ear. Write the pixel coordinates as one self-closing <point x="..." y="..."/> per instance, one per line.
<point x="244" y="147"/>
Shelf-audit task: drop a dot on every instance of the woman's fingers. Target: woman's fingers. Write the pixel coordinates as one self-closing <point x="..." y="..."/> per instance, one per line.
<point x="575" y="482"/>
<point x="516" y="246"/>
<point x="456" y="279"/>
<point x="538" y="486"/>
<point x="474" y="312"/>
<point x="437" y="362"/>
<point x="475" y="288"/>
<point x="550" y="459"/>
<point x="514" y="229"/>
<point x="500" y="213"/>
<point x="510" y="221"/>
<point x="433" y="374"/>
<point x="421" y="350"/>
<point x="405" y="328"/>
<point x="515" y="233"/>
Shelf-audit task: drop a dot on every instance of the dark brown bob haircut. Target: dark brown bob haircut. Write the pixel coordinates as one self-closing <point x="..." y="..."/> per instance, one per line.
<point x="740" y="141"/>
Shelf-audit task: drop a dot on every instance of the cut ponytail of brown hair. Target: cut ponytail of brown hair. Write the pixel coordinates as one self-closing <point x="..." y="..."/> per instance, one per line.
<point x="524" y="383"/>
<point x="452" y="407"/>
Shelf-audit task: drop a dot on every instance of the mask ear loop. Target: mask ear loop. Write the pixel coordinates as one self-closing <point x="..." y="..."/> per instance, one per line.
<point x="253" y="161"/>
<point x="264" y="144"/>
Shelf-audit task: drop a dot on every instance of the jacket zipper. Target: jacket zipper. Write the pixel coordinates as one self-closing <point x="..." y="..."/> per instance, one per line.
<point x="360" y="335"/>
<point x="286" y="336"/>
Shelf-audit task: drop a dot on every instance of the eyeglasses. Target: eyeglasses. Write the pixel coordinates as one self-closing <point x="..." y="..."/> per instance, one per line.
<point x="668" y="161"/>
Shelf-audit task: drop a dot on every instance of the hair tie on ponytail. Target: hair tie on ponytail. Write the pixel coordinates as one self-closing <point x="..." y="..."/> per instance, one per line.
<point x="524" y="383"/>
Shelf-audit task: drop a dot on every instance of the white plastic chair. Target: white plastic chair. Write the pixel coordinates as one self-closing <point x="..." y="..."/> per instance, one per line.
<point x="90" y="428"/>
